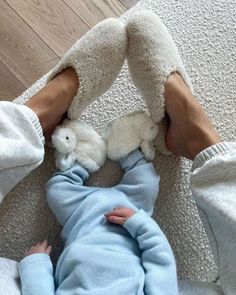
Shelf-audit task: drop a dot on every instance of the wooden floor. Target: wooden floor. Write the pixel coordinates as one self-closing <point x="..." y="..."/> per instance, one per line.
<point x="34" y="34"/>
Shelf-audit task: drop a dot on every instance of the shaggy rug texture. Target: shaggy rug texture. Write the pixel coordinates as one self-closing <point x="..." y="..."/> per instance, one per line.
<point x="205" y="33"/>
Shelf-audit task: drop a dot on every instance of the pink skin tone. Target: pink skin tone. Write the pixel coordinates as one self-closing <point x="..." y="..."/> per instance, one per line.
<point x="41" y="247"/>
<point x="117" y="216"/>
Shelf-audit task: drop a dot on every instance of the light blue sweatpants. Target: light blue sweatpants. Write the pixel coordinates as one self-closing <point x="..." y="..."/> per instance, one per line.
<point x="213" y="184"/>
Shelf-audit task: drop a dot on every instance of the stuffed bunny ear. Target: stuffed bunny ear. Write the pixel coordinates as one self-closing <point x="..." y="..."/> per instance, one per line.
<point x="64" y="162"/>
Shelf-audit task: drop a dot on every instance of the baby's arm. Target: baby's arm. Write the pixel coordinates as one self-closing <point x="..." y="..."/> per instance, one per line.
<point x="36" y="271"/>
<point x="157" y="257"/>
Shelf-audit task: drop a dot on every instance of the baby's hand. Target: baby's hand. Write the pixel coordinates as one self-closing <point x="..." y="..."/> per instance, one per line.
<point x="41" y="247"/>
<point x="119" y="215"/>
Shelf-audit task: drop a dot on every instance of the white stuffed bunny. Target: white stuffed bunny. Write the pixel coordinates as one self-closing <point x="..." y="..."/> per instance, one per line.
<point x="129" y="132"/>
<point x="77" y="141"/>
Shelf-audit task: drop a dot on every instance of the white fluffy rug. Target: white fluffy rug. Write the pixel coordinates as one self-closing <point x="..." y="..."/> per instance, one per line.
<point x="205" y="32"/>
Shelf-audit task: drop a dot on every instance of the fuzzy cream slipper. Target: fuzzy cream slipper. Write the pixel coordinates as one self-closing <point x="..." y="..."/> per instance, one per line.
<point x="97" y="59"/>
<point x="152" y="57"/>
<point x="129" y="132"/>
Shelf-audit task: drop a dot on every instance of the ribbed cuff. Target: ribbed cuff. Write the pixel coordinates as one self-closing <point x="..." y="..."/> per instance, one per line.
<point x="219" y="149"/>
<point x="35" y="120"/>
<point x="34" y="258"/>
<point x="129" y="161"/>
<point x="135" y="221"/>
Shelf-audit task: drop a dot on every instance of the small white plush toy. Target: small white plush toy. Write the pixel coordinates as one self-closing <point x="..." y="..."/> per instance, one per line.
<point x="77" y="141"/>
<point x="129" y="132"/>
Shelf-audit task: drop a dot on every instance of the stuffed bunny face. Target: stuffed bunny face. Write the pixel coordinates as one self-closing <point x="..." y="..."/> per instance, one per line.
<point x="64" y="140"/>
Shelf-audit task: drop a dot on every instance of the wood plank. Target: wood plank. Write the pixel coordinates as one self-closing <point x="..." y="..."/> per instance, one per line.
<point x="94" y="11"/>
<point x="53" y="21"/>
<point x="21" y="50"/>
<point x="128" y="3"/>
<point x="10" y="86"/>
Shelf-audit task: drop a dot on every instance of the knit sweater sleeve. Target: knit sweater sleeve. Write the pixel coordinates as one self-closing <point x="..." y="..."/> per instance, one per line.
<point x="157" y="257"/>
<point x="36" y="274"/>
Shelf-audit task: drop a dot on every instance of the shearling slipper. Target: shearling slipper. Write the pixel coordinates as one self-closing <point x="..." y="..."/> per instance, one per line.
<point x="97" y="59"/>
<point x="129" y="132"/>
<point x="152" y="57"/>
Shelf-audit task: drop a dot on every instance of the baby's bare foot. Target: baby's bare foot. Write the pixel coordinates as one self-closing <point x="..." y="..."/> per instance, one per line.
<point x="190" y="130"/>
<point x="52" y="102"/>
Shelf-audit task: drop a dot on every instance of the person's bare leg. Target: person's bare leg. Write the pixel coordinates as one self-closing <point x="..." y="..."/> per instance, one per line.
<point x="190" y="131"/>
<point x="51" y="102"/>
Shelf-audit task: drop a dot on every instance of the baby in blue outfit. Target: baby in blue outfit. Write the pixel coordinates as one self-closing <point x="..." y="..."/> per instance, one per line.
<point x="112" y="245"/>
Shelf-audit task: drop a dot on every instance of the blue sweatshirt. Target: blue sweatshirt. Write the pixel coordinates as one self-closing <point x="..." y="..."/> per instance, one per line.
<point x="101" y="258"/>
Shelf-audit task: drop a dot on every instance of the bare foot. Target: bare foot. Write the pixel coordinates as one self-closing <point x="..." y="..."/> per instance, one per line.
<point x="190" y="131"/>
<point x="52" y="102"/>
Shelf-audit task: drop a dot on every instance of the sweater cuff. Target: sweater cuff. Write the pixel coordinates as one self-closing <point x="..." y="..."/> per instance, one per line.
<point x="135" y="222"/>
<point x="33" y="259"/>
<point x="34" y="119"/>
<point x="219" y="149"/>
<point x="131" y="159"/>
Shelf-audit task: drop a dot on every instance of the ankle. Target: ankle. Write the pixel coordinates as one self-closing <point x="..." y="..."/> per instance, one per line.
<point x="190" y="129"/>
<point x="201" y="138"/>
